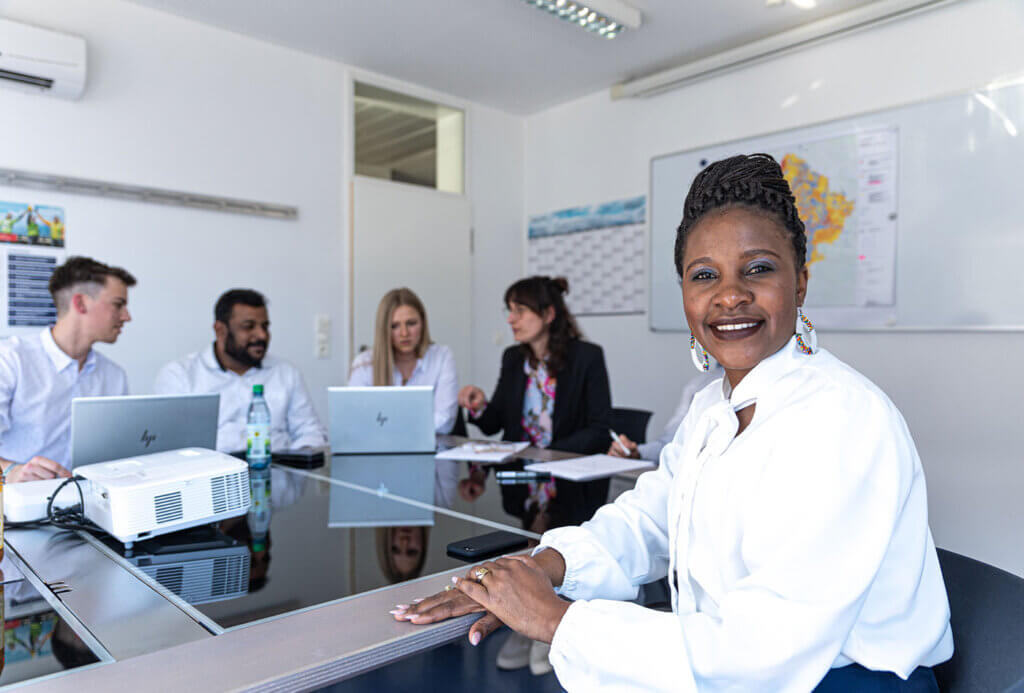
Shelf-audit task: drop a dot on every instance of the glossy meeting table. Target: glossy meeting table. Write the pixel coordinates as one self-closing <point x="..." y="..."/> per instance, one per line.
<point x="293" y="596"/>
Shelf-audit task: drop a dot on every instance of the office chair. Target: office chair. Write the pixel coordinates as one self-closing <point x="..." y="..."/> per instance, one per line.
<point x="987" y="615"/>
<point x="631" y="423"/>
<point x="459" y="429"/>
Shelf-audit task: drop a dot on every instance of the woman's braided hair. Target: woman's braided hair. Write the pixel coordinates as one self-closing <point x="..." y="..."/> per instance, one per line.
<point x="754" y="182"/>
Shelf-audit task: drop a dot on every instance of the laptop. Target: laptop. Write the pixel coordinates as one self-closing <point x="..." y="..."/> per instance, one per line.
<point x="381" y="419"/>
<point x="112" y="428"/>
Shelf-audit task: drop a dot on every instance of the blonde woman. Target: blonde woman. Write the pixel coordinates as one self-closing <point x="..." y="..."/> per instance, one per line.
<point x="403" y="354"/>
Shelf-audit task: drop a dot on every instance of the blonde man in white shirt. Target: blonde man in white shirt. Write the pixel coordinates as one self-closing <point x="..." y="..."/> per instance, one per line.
<point x="235" y="362"/>
<point x="789" y="514"/>
<point x="41" y="373"/>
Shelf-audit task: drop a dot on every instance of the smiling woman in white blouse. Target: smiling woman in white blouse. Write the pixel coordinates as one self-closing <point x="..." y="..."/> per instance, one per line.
<point x="403" y="354"/>
<point x="789" y="513"/>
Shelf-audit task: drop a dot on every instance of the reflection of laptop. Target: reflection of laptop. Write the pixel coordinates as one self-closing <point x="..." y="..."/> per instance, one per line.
<point x="381" y="419"/>
<point x="111" y="428"/>
<point x="409" y="476"/>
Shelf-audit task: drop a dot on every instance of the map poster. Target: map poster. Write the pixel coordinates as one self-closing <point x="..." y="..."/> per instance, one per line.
<point x="600" y="249"/>
<point x="845" y="188"/>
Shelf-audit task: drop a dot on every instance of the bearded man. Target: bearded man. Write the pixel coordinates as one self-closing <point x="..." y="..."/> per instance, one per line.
<point x="235" y="362"/>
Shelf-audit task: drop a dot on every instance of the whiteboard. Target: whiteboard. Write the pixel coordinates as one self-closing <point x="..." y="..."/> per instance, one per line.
<point x="960" y="228"/>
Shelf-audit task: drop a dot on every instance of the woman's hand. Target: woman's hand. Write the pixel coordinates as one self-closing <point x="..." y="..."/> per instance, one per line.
<point x="518" y="593"/>
<point x="472" y="398"/>
<point x="450" y="603"/>
<point x="616" y="448"/>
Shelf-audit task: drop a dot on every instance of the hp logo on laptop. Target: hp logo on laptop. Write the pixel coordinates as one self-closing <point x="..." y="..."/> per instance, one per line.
<point x="381" y="419"/>
<point x="147" y="438"/>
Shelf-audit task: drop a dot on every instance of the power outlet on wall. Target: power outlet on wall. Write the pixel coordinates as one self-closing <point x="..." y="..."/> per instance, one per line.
<point x="321" y="336"/>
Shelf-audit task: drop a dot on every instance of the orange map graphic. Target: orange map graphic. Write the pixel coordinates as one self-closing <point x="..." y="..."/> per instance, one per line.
<point x="823" y="211"/>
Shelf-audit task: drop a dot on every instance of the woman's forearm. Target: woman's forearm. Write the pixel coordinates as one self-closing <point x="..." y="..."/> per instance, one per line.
<point x="553" y="565"/>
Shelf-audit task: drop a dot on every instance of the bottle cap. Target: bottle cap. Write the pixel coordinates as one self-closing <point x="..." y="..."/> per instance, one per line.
<point x="257" y="389"/>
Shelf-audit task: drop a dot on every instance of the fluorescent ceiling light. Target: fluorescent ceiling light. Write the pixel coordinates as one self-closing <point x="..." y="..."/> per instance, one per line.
<point x="805" y="4"/>
<point x="605" y="18"/>
<point x="858" y="19"/>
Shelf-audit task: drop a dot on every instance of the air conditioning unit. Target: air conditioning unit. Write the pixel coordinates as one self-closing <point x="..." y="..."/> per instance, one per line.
<point x="40" y="60"/>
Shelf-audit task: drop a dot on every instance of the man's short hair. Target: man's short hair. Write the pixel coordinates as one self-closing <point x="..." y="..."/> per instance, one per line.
<point x="229" y="299"/>
<point x="82" y="275"/>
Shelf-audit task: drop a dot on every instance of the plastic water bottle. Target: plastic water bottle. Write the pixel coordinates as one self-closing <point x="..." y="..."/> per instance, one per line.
<point x="257" y="440"/>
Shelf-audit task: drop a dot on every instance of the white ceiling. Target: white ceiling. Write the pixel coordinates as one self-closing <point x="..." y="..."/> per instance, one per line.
<point x="501" y="53"/>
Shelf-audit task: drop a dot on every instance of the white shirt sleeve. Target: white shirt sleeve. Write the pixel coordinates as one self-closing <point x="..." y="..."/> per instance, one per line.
<point x="304" y="427"/>
<point x="812" y="544"/>
<point x="171" y="380"/>
<point x="446" y="393"/>
<point x="8" y="383"/>
<point x="623" y="546"/>
<point x="361" y="374"/>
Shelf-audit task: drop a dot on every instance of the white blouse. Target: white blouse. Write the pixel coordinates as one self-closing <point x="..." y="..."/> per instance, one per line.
<point x="436" y="369"/>
<point x="799" y="545"/>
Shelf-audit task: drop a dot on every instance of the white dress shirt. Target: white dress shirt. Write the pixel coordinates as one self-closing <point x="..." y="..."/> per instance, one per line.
<point x="37" y="383"/>
<point x="652" y="450"/>
<point x="293" y="420"/>
<point x="436" y="369"/>
<point x="799" y="545"/>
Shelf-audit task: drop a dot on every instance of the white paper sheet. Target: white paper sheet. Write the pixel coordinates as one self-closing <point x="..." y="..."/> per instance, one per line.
<point x="590" y="467"/>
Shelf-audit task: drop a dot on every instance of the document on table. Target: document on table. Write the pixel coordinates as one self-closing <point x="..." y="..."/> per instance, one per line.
<point x="484" y="452"/>
<point x="590" y="467"/>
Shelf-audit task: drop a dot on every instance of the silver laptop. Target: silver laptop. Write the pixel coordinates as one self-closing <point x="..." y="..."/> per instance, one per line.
<point x="111" y="428"/>
<point x="381" y="419"/>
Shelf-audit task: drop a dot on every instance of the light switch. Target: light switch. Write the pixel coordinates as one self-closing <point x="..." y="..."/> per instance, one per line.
<point x="321" y="336"/>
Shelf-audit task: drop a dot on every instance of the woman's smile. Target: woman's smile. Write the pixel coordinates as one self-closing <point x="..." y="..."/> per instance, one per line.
<point x="741" y="287"/>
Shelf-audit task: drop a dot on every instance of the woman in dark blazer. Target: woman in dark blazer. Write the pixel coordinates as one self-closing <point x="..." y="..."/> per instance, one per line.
<point x="550" y="359"/>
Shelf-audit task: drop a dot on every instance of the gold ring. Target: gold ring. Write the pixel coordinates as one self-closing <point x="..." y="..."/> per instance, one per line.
<point x="481" y="573"/>
<point x="449" y="588"/>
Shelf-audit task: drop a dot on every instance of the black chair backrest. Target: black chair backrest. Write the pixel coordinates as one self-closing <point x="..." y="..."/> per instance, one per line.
<point x="987" y="615"/>
<point x="459" y="429"/>
<point x="631" y="423"/>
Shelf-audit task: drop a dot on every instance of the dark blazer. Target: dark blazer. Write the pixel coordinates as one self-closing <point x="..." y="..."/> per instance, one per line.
<point x="580" y="424"/>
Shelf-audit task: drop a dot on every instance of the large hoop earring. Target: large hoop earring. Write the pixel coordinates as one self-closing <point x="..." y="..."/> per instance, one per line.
<point x="806" y="337"/>
<point x="701" y="358"/>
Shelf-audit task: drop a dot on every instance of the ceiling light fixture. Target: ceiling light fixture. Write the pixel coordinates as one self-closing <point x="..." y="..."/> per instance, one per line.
<point x="605" y="18"/>
<point x="802" y="4"/>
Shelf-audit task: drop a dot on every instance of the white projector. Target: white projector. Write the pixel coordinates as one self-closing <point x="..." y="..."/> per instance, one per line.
<point x="145" y="496"/>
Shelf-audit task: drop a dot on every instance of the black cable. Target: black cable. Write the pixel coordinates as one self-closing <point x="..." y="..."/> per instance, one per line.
<point x="72" y="517"/>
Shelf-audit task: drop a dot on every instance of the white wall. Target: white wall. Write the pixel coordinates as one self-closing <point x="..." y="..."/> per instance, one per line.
<point x="177" y="104"/>
<point x="959" y="391"/>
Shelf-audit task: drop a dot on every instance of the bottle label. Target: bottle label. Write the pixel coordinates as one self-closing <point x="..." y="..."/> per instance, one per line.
<point x="257" y="442"/>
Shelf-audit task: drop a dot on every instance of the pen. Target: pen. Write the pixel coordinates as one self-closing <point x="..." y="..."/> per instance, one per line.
<point x="615" y="437"/>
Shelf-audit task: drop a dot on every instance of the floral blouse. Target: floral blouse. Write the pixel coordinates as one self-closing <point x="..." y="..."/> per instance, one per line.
<point x="538" y="408"/>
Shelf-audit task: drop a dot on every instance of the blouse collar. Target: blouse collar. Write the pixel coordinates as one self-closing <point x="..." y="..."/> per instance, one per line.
<point x="764" y="375"/>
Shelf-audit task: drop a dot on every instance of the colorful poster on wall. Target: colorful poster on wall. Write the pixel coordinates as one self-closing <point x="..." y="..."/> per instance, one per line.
<point x="32" y="224"/>
<point x="600" y="249"/>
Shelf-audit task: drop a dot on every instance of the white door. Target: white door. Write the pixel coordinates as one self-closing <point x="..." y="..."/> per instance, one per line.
<point x="406" y="235"/>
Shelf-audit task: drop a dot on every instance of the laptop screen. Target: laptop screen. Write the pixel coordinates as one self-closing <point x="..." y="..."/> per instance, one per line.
<point x="112" y="428"/>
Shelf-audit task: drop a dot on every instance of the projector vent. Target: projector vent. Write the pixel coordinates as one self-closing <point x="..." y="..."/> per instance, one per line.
<point x="168" y="507"/>
<point x="229" y="492"/>
<point x="172" y="577"/>
<point x="230" y="575"/>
